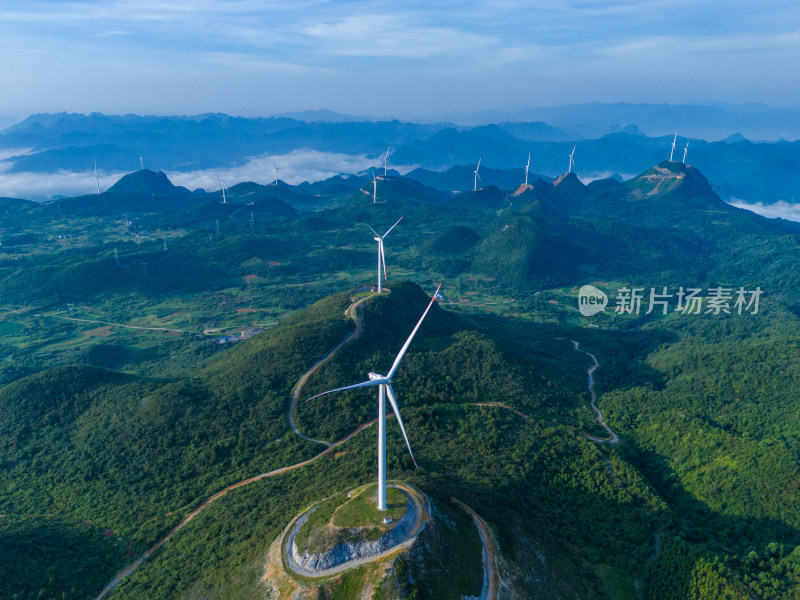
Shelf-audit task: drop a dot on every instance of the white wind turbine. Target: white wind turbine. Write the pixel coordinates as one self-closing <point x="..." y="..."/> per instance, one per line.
<point x="97" y="178"/>
<point x="374" y="189"/>
<point x="671" y="152"/>
<point x="684" y="151"/>
<point x="385" y="160"/>
<point x="477" y="176"/>
<point x="384" y="383"/>
<point x="381" y="255"/>
<point x="275" y="169"/>
<point x="572" y="159"/>
<point x="528" y="166"/>
<point x="141" y="162"/>
<point x="224" y="189"/>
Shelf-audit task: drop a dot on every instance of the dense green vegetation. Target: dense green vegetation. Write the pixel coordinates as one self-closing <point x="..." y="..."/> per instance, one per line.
<point x="120" y="432"/>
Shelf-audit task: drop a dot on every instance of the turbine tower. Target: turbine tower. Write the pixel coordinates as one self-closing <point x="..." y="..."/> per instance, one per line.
<point x="528" y="166"/>
<point x="477" y="176"/>
<point x="671" y="152"/>
<point x="384" y="383"/>
<point x="572" y="159"/>
<point x="222" y="181"/>
<point x="381" y="255"/>
<point x="684" y="151"/>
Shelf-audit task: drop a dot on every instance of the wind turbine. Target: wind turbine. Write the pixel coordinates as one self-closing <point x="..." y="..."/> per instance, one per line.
<point x="385" y="160"/>
<point x="141" y="162"/>
<point x="528" y="166"/>
<point x="477" y="176"/>
<point x="384" y="383"/>
<point x="381" y="255"/>
<point x="374" y="188"/>
<point x="684" y="151"/>
<point x="675" y="139"/>
<point x="275" y="168"/>
<point x="572" y="159"/>
<point x="97" y="178"/>
<point x="222" y="181"/>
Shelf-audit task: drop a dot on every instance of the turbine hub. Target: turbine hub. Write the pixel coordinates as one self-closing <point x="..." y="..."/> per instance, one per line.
<point x="377" y="239"/>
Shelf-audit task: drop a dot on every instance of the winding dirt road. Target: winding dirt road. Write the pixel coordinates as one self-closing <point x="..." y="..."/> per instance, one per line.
<point x="352" y="312"/>
<point x="489" y="552"/>
<point x="612" y="437"/>
<point x="115" y="582"/>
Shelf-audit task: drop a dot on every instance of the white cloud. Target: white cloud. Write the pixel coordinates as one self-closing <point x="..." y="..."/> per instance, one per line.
<point x="43" y="186"/>
<point x="777" y="210"/>
<point x="587" y="179"/>
<point x="11" y="153"/>
<point x="392" y="35"/>
<point x="293" y="168"/>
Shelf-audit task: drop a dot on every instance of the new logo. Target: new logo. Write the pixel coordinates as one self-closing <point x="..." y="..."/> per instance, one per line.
<point x="591" y="300"/>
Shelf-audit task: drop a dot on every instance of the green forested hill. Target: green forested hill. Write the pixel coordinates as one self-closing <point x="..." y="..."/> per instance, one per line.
<point x="122" y="411"/>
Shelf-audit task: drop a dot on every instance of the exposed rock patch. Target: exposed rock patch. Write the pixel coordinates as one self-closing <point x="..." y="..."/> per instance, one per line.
<point x="357" y="550"/>
<point x="343" y="552"/>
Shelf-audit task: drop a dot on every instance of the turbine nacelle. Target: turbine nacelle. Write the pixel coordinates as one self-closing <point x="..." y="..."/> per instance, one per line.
<point x="376" y="376"/>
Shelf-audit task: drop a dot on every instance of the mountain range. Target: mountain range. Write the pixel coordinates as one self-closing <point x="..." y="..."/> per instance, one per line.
<point x="56" y="143"/>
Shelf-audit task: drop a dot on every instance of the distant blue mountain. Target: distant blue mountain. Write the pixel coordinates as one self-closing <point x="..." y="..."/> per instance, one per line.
<point x="737" y="167"/>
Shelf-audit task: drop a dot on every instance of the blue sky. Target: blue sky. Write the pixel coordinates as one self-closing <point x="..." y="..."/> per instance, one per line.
<point x="391" y="59"/>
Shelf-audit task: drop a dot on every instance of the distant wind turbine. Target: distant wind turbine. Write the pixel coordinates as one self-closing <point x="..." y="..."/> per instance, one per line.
<point x="385" y="160"/>
<point x="381" y="254"/>
<point x="684" y="151"/>
<point x="222" y="181"/>
<point x="374" y="188"/>
<point x="384" y="383"/>
<point x="477" y="176"/>
<point x="141" y="162"/>
<point x="572" y="159"/>
<point x="275" y="168"/>
<point x="671" y="152"/>
<point x="97" y="178"/>
<point x="528" y="166"/>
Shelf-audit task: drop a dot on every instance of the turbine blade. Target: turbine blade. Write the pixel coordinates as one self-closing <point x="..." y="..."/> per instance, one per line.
<point x="369" y="383"/>
<point x="392" y="227"/>
<point x="373" y="231"/>
<point x="383" y="259"/>
<point x="393" y="402"/>
<point x="411" y="337"/>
